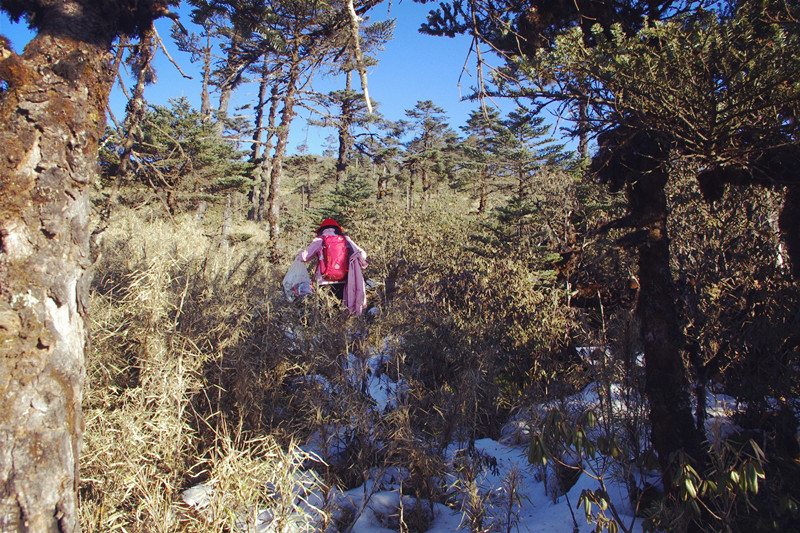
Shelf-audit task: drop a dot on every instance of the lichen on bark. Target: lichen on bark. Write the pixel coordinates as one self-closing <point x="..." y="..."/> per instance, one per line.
<point x="51" y="117"/>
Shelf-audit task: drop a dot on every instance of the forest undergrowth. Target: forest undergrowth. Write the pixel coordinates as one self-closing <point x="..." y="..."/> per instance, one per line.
<point x="202" y="374"/>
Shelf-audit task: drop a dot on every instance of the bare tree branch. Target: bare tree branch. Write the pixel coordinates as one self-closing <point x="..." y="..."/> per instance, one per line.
<point x="166" y="53"/>
<point x="362" y="69"/>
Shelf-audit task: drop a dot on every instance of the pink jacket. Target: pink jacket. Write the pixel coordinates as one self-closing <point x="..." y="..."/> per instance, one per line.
<point x="355" y="296"/>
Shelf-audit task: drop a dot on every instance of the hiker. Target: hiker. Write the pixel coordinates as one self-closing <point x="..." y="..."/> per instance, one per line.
<point x="339" y="265"/>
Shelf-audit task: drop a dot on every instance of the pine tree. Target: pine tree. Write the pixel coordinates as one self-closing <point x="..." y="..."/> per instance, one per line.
<point x="481" y="151"/>
<point x="347" y="202"/>
<point x="179" y="153"/>
<point x="430" y="129"/>
<point x="526" y="148"/>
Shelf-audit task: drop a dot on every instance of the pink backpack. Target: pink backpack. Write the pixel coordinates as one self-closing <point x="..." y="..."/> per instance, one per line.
<point x="335" y="258"/>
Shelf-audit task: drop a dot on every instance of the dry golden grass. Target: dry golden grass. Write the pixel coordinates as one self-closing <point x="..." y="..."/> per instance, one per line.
<point x="249" y="483"/>
<point x="168" y="305"/>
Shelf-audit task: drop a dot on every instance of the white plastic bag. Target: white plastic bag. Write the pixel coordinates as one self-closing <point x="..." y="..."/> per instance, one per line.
<point x="296" y="282"/>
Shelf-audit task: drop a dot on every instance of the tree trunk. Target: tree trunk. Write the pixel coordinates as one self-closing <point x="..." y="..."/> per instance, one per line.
<point x="232" y="76"/>
<point x="258" y="131"/>
<point x="264" y="168"/>
<point x="521" y="182"/>
<point x="205" y="99"/>
<point x="410" y="189"/>
<point x="345" y="140"/>
<point x="789" y="222"/>
<point x="51" y="118"/>
<point x="273" y="200"/>
<point x="483" y="193"/>
<point x="666" y="381"/>
<point x="225" y="231"/>
<point x="583" y="126"/>
<point x="426" y="184"/>
<point x="136" y="105"/>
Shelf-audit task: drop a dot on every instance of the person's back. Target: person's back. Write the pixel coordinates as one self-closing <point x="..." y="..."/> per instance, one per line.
<point x="339" y="264"/>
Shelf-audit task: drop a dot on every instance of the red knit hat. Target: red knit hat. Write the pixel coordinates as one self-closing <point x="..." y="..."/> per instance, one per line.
<point x="328" y="223"/>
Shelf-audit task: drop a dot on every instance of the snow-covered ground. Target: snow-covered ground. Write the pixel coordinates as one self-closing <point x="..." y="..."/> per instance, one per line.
<point x="512" y="494"/>
<point x="534" y="510"/>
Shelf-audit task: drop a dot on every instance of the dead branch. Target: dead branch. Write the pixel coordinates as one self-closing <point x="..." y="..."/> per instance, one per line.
<point x="362" y="69"/>
<point x="166" y="53"/>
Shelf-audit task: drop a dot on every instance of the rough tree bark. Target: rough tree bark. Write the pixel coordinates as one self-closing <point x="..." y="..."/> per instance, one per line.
<point x="52" y="115"/>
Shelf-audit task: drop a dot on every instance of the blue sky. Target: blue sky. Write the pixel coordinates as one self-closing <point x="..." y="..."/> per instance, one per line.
<point x="413" y="67"/>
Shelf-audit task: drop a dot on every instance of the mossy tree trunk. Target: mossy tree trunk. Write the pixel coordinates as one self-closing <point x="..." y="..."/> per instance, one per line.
<point x="52" y="115"/>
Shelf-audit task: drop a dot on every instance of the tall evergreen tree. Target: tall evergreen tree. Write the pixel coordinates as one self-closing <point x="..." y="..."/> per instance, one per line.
<point x="347" y="202"/>
<point x="481" y="150"/>
<point x="428" y="126"/>
<point x="179" y="151"/>
<point x="305" y="171"/>
<point x="526" y="147"/>
<point x="713" y="88"/>
<point x="348" y="111"/>
<point x="350" y="108"/>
